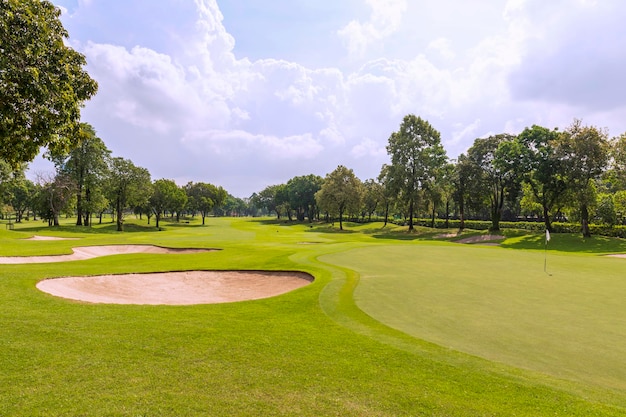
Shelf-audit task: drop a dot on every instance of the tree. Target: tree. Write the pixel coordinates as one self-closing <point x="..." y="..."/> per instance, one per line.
<point x="127" y="185"/>
<point x="53" y="196"/>
<point x="497" y="160"/>
<point x="388" y="193"/>
<point x="269" y="199"/>
<point x="203" y="197"/>
<point x="166" y="196"/>
<point x="373" y="195"/>
<point x="21" y="192"/>
<point x="42" y="81"/>
<point x="542" y="168"/>
<point x="340" y="193"/>
<point x="416" y="155"/>
<point x="301" y="194"/>
<point x="583" y="151"/>
<point x="86" y="164"/>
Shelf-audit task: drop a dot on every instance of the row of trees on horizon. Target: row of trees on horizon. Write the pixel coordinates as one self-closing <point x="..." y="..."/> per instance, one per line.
<point x="543" y="174"/>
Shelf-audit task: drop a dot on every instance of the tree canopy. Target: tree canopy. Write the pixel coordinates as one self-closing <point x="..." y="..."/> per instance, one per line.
<point x="416" y="155"/>
<point x="43" y="83"/>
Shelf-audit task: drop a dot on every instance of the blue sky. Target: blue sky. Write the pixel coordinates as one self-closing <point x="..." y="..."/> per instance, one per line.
<point x="245" y="94"/>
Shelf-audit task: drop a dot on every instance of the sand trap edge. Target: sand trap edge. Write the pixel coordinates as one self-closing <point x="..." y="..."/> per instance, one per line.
<point x="176" y="287"/>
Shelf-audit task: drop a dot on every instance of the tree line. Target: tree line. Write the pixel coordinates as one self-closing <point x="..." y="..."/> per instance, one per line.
<point x="576" y="174"/>
<point x="88" y="182"/>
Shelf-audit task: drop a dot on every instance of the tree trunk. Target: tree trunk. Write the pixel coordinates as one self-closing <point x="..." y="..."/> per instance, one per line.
<point x="546" y="219"/>
<point x="79" y="208"/>
<point x="340" y="219"/>
<point x="386" y="213"/>
<point x="447" y="214"/>
<point x="432" y="221"/>
<point x="203" y="216"/>
<point x="584" y="220"/>
<point x="157" y="217"/>
<point x="411" y="228"/>
<point x="120" y="225"/>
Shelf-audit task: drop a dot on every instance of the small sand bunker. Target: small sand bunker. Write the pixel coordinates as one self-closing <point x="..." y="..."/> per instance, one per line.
<point x="176" y="288"/>
<point x="617" y="255"/>
<point x="89" y="252"/>
<point x="479" y="239"/>
<point x="36" y="237"/>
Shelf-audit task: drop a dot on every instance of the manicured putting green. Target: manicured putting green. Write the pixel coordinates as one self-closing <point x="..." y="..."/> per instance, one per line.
<point x="500" y="305"/>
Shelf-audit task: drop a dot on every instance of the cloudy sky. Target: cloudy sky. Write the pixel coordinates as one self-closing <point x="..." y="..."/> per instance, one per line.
<point x="249" y="93"/>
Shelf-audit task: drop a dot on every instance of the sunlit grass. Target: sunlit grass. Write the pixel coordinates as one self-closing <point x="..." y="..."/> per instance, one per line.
<point x="311" y="352"/>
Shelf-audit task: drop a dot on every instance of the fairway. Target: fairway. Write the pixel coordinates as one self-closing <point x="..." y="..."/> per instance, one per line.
<point x="500" y="305"/>
<point x="392" y="325"/>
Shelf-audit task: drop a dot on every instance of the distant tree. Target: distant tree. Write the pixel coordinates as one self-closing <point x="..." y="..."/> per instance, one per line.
<point x="605" y="210"/>
<point x="416" y="155"/>
<point x="301" y="194"/>
<point x="617" y="168"/>
<point x="164" y="196"/>
<point x="542" y="168"/>
<point x="127" y="186"/>
<point x="389" y="194"/>
<point x="21" y="192"/>
<point x="202" y="197"/>
<point x="373" y="196"/>
<point x="439" y="191"/>
<point x="340" y="193"/>
<point x="43" y="83"/>
<point x="86" y="164"/>
<point x="497" y="161"/>
<point x="584" y="151"/>
<point x="53" y="196"/>
<point x="268" y="199"/>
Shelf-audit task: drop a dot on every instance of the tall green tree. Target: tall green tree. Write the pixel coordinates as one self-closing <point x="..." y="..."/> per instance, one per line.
<point x="87" y="165"/>
<point x="43" y="83"/>
<point x="389" y="195"/>
<point x="165" y="197"/>
<point x="269" y="198"/>
<point x="416" y="156"/>
<point x="127" y="186"/>
<point x="542" y="168"/>
<point x="21" y="192"/>
<point x="340" y="194"/>
<point x="373" y="197"/>
<point x="203" y="197"/>
<point x="53" y="196"/>
<point x="498" y="164"/>
<point x="301" y="193"/>
<point x="584" y="151"/>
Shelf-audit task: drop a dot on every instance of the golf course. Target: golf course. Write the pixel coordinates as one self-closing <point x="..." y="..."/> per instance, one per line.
<point x="379" y="322"/>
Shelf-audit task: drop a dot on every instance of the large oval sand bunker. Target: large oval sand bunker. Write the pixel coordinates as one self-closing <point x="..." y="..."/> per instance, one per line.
<point x="176" y="288"/>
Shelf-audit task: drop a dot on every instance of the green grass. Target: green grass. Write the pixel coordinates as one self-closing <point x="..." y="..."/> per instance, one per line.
<point x="395" y="324"/>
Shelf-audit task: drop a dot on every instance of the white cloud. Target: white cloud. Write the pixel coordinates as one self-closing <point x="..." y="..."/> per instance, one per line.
<point x="175" y="97"/>
<point x="384" y="20"/>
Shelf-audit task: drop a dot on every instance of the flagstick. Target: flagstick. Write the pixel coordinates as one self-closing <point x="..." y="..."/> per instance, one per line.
<point x="545" y="253"/>
<point x="545" y="257"/>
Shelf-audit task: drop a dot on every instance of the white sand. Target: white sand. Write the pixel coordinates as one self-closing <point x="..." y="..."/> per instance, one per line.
<point x="89" y="252"/>
<point x="478" y="239"/>
<point x="176" y="288"/>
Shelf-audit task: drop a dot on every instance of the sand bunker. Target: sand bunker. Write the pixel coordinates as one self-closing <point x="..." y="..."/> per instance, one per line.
<point x="89" y="252"/>
<point x="36" y="237"/>
<point x="176" y="288"/>
<point x="479" y="239"/>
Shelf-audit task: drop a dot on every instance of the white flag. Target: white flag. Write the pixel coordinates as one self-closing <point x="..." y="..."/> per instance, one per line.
<point x="547" y="235"/>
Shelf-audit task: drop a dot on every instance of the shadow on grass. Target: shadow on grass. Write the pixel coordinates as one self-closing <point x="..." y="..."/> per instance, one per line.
<point x="104" y="228"/>
<point x="568" y="242"/>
